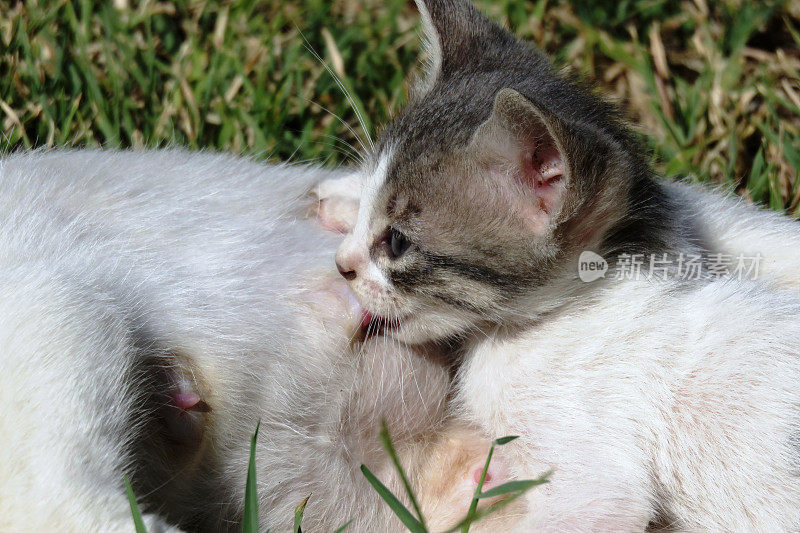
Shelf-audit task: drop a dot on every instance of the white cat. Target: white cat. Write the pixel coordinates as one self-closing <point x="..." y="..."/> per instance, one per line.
<point x="153" y="307"/>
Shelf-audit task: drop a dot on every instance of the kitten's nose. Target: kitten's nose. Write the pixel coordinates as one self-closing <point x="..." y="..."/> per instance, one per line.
<point x="346" y="274"/>
<point x="350" y="259"/>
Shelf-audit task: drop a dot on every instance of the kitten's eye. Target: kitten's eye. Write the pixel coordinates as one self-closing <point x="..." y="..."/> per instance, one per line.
<point x="398" y="244"/>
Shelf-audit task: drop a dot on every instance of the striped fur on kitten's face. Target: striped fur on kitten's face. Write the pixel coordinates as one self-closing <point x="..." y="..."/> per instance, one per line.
<point x="487" y="186"/>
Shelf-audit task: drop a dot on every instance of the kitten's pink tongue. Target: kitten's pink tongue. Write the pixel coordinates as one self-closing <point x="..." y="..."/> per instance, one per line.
<point x="366" y="318"/>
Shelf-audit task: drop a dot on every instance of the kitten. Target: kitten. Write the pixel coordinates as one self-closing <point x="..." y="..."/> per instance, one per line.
<point x="155" y="306"/>
<point x="654" y="400"/>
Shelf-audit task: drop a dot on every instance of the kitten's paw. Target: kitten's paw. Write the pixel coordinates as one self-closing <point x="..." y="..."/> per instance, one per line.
<point x="336" y="214"/>
<point x="337" y="203"/>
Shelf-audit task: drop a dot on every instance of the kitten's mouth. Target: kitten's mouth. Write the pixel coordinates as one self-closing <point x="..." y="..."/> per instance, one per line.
<point x="373" y="326"/>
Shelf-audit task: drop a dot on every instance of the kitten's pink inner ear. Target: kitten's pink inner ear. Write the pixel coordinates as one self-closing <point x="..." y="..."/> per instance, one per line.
<point x="546" y="165"/>
<point x="519" y="141"/>
<point x="543" y="172"/>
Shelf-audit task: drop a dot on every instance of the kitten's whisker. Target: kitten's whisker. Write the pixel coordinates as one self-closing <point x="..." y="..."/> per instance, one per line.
<point x="355" y="153"/>
<point x="344" y="123"/>
<point x="342" y="87"/>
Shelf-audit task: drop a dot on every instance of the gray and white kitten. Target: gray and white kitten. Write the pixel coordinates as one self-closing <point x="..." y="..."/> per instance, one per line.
<point x="655" y="401"/>
<point x="154" y="306"/>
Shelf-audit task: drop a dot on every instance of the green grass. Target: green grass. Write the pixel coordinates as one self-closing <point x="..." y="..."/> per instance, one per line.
<point x="714" y="84"/>
<point x="136" y="515"/>
<point x="250" y="512"/>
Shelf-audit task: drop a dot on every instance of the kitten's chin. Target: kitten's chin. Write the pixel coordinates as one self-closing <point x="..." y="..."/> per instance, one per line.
<point x="409" y="333"/>
<point x="410" y="329"/>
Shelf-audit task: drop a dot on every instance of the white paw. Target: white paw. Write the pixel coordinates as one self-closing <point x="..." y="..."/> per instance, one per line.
<point x="337" y="203"/>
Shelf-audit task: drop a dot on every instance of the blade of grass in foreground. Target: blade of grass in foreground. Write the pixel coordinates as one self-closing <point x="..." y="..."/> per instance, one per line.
<point x="250" y="518"/>
<point x="480" y="515"/>
<point x="387" y="443"/>
<point x="138" y="523"/>
<point x="298" y="515"/>
<point x="399" y="509"/>
<point x="516" y="488"/>
<point x="473" y="507"/>
<point x="511" y="487"/>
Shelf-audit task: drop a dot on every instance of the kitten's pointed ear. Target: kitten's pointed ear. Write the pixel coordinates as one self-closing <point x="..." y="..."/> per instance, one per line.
<point x="450" y="31"/>
<point x="523" y="147"/>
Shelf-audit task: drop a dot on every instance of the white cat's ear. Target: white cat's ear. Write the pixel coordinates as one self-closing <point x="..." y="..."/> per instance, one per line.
<point x="449" y="27"/>
<point x="522" y="147"/>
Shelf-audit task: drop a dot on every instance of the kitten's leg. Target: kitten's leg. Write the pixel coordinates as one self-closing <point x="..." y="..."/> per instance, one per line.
<point x="337" y="202"/>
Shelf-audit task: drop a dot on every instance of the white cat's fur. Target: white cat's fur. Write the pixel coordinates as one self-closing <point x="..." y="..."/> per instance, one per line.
<point x="123" y="272"/>
<point x="734" y="227"/>
<point x="652" y="403"/>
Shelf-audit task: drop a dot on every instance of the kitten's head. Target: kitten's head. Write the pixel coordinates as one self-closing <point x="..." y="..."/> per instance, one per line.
<point x="486" y="186"/>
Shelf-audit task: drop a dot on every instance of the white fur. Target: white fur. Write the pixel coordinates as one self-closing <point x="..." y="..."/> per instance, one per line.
<point x="735" y="227"/>
<point x="649" y="400"/>
<point x="209" y="262"/>
<point x="353" y="253"/>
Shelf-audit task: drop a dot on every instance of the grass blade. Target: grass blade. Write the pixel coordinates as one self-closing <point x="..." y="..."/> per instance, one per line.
<point x="502" y="441"/>
<point x="298" y="515"/>
<point x="250" y="518"/>
<point x="405" y="516"/>
<point x="138" y="523"/>
<point x="473" y="506"/>
<point x="479" y="515"/>
<point x="511" y="487"/>
<point x="758" y="181"/>
<point x="387" y="443"/>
